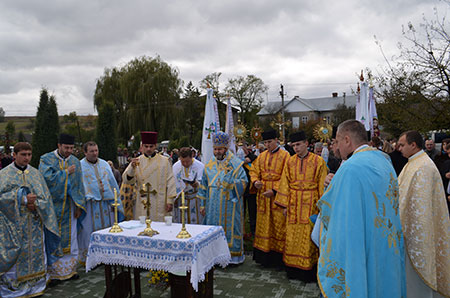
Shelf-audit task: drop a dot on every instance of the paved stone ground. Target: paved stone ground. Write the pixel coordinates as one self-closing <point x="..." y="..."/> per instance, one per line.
<point x="247" y="280"/>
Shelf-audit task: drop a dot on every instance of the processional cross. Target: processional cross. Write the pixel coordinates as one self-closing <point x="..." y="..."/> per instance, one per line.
<point x="281" y="125"/>
<point x="145" y="190"/>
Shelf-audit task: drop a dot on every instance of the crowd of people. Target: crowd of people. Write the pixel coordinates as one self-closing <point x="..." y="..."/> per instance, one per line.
<point x="360" y="218"/>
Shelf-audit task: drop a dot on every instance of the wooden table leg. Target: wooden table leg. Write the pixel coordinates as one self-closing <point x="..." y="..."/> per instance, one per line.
<point x="137" y="282"/>
<point x="108" y="281"/>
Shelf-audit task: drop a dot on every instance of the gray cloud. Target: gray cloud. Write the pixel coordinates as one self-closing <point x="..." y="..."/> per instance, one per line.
<point x="312" y="47"/>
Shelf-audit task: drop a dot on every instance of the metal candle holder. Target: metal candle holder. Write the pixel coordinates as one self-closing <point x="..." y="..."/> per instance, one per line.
<point x="183" y="234"/>
<point x="115" y="228"/>
<point x="148" y="231"/>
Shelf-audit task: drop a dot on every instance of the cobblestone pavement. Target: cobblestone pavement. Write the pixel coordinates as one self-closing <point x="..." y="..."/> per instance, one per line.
<point x="247" y="280"/>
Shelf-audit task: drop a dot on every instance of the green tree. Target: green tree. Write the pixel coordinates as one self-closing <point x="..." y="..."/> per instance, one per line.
<point x="105" y="136"/>
<point x="73" y="127"/>
<point x="2" y="114"/>
<point x="45" y="136"/>
<point x="21" y="137"/>
<point x="342" y="113"/>
<point x="145" y="94"/>
<point x="10" y="131"/>
<point x="248" y="92"/>
<point x="193" y="110"/>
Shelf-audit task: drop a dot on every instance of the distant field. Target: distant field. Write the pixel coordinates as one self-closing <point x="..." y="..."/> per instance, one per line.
<point x="23" y="124"/>
<point x="26" y="123"/>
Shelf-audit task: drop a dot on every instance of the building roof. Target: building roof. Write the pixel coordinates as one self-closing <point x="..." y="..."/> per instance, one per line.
<point x="297" y="104"/>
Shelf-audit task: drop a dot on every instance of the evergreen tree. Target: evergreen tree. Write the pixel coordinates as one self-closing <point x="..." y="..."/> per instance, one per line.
<point x="21" y="137"/>
<point x="106" y="134"/>
<point x="45" y="136"/>
<point x="10" y="132"/>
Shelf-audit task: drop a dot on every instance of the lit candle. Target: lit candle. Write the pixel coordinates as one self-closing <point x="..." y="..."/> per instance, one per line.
<point x="182" y="198"/>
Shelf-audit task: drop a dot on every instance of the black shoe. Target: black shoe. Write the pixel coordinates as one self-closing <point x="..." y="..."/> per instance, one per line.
<point x="75" y="277"/>
<point x="53" y="283"/>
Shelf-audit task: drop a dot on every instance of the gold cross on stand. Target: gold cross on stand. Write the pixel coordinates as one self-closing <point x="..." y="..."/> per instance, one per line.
<point x="145" y="190"/>
<point x="115" y="228"/>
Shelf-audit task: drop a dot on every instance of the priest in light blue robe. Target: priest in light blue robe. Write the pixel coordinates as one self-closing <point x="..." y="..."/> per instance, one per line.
<point x="361" y="240"/>
<point x="27" y="221"/>
<point x="221" y="191"/>
<point x="99" y="185"/>
<point x="62" y="173"/>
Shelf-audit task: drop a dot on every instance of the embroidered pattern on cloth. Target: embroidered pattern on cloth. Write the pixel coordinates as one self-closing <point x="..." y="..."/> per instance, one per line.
<point x="207" y="247"/>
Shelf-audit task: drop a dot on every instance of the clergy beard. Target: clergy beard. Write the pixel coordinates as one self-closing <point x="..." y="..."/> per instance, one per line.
<point x="220" y="156"/>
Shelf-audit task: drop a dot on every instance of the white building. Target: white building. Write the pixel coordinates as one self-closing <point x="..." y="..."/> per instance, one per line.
<point x="301" y="110"/>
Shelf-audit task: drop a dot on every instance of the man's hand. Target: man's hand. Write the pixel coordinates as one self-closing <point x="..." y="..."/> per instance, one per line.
<point x="77" y="212"/>
<point x="71" y="169"/>
<point x="135" y="162"/>
<point x="268" y="193"/>
<point x="447" y="175"/>
<point x="202" y="211"/>
<point x="195" y="184"/>
<point x="258" y="184"/>
<point x="169" y="207"/>
<point x="31" y="199"/>
<point x="328" y="179"/>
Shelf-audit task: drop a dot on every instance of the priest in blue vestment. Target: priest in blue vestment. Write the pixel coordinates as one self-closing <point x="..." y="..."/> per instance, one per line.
<point x="62" y="173"/>
<point x="361" y="240"/>
<point x="27" y="225"/>
<point x="221" y="191"/>
<point x="99" y="185"/>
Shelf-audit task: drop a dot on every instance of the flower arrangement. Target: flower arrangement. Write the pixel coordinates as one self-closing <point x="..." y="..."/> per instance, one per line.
<point x="158" y="279"/>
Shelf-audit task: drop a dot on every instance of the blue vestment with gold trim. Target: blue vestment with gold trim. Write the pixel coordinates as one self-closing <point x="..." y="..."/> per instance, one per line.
<point x="22" y="232"/>
<point x="67" y="191"/>
<point x="100" y="214"/>
<point x="361" y="241"/>
<point x="221" y="191"/>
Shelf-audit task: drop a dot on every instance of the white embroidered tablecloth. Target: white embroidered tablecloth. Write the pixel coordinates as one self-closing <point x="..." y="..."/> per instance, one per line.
<point x="207" y="247"/>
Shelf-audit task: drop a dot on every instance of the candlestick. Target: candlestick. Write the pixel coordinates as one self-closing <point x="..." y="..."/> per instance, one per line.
<point x="115" y="228"/>
<point x="183" y="234"/>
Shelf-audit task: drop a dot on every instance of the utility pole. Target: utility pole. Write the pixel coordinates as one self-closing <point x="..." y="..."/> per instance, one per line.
<point x="282" y="106"/>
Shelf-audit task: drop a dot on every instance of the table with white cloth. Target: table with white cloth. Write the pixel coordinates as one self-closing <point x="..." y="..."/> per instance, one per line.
<point x="196" y="255"/>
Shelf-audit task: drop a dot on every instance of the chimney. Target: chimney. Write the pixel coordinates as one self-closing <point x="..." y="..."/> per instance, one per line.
<point x="334" y="94"/>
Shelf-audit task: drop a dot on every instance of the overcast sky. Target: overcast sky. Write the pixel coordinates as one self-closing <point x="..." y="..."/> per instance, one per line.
<point x="313" y="47"/>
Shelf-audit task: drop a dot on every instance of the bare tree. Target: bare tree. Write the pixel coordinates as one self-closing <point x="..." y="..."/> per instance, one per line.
<point x="415" y="84"/>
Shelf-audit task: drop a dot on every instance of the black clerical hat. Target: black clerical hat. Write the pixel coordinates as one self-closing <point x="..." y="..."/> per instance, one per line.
<point x="297" y="136"/>
<point x="66" y="139"/>
<point x="269" y="135"/>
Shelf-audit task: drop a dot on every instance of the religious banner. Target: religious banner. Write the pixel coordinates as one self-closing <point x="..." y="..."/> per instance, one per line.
<point x="210" y="126"/>
<point x="362" y="105"/>
<point x="229" y="126"/>
<point x="374" y="130"/>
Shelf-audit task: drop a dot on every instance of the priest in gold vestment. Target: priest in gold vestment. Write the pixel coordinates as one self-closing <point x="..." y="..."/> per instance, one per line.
<point x="301" y="186"/>
<point x="425" y="222"/>
<point x="265" y="175"/>
<point x="151" y="168"/>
